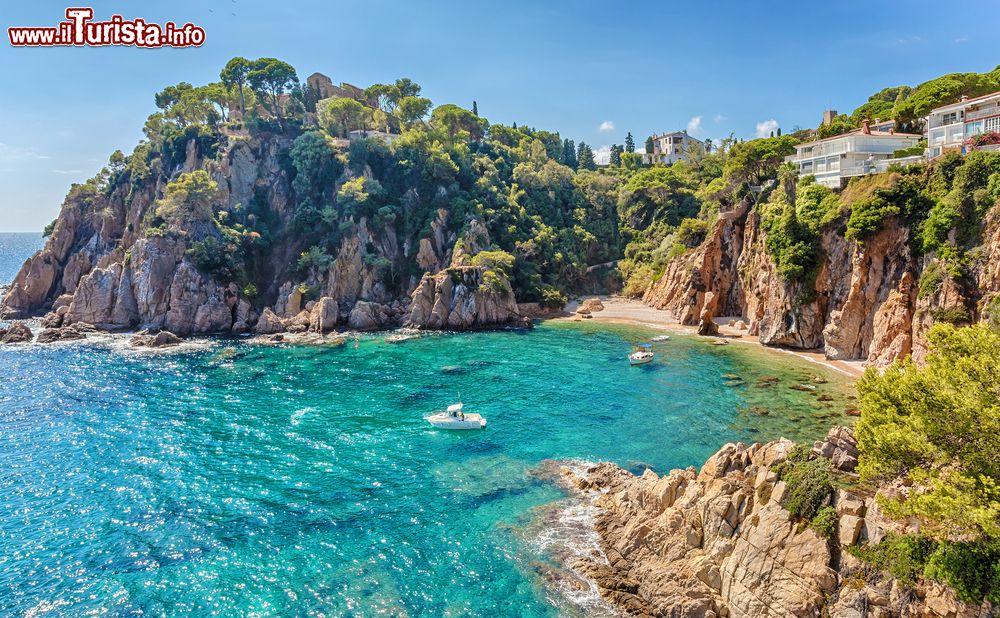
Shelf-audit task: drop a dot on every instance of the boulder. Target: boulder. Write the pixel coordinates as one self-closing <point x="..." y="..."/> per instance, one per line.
<point x="324" y="315"/>
<point x="592" y="305"/>
<point x="162" y="339"/>
<point x="18" y="332"/>
<point x="369" y="316"/>
<point x="269" y="323"/>
<point x="840" y="447"/>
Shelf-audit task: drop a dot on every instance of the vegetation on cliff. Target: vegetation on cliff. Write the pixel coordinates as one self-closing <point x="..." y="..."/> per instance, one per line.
<point x="938" y="429"/>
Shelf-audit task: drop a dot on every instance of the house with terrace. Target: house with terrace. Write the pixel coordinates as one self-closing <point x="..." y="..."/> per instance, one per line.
<point x="836" y="159"/>
<point x="954" y="127"/>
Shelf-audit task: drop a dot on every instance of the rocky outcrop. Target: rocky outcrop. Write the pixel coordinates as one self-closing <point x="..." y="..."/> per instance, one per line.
<point x="867" y="301"/>
<point x="460" y="298"/>
<point x="719" y="542"/>
<point x="162" y="339"/>
<point x="17" y="332"/>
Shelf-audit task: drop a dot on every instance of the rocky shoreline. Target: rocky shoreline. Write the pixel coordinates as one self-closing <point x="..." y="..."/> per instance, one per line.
<point x="719" y="542"/>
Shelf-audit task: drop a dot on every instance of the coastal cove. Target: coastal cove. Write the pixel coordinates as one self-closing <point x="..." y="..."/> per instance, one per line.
<point x="236" y="476"/>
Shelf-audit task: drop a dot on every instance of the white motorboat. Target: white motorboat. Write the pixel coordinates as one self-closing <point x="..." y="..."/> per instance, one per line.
<point x="455" y="418"/>
<point x="642" y="354"/>
<point x="661" y="338"/>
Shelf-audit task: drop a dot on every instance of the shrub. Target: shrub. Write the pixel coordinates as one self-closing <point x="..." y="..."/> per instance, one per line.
<point x="692" y="232"/>
<point x="930" y="280"/>
<point x="825" y="522"/>
<point x="902" y="556"/>
<point x="972" y="568"/>
<point x="49" y="228"/>
<point x="552" y="298"/>
<point x="808" y="482"/>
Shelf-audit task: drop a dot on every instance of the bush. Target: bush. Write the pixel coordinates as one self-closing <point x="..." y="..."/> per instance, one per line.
<point x="971" y="568"/>
<point x="49" y="228"/>
<point x="552" y="298"/>
<point x="692" y="232"/>
<point x="902" y="556"/>
<point x="930" y="280"/>
<point x="825" y="522"/>
<point x="808" y="482"/>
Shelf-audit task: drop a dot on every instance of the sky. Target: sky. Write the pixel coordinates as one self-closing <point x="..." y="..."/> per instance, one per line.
<point x="590" y="70"/>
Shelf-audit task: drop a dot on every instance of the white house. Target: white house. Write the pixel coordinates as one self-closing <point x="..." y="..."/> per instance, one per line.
<point x="669" y="148"/>
<point x="835" y="159"/>
<point x="949" y="127"/>
<point x="359" y="134"/>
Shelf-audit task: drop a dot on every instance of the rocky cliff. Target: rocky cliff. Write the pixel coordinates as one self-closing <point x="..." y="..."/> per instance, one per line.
<point x="113" y="262"/>
<point x="870" y="300"/>
<point x="719" y="542"/>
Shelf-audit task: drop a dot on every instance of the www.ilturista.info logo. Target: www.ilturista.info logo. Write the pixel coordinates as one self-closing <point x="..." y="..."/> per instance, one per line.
<point x="79" y="29"/>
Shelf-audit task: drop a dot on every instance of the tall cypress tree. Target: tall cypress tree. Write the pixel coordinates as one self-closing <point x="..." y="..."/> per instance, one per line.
<point x="569" y="153"/>
<point x="585" y="157"/>
<point x="649" y="145"/>
<point x="629" y="143"/>
<point x="616" y="155"/>
<point x="475" y="109"/>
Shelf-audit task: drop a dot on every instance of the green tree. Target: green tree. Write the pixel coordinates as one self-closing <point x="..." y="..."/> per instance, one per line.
<point x="649" y="145"/>
<point x="629" y="143"/>
<point x="475" y="109"/>
<point x="755" y="161"/>
<point x="585" y="157"/>
<point x="569" y="153"/>
<point x="386" y="96"/>
<point x="189" y="199"/>
<point x="340" y="116"/>
<point x="269" y="78"/>
<point x="407" y="87"/>
<point x="939" y="425"/>
<point x="234" y="75"/>
<point x="457" y="122"/>
<point x="412" y="110"/>
<point x="616" y="155"/>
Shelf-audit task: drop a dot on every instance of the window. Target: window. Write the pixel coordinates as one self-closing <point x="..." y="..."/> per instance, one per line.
<point x="992" y="125"/>
<point x="949" y="118"/>
<point x="973" y="128"/>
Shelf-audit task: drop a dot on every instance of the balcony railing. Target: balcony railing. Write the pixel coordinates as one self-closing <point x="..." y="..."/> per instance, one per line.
<point x="979" y="114"/>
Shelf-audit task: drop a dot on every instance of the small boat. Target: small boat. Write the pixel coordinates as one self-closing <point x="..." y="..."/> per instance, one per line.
<point x="661" y="338"/>
<point x="454" y="418"/>
<point x="642" y="354"/>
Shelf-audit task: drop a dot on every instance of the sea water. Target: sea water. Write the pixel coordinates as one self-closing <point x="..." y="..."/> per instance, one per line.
<point x="234" y="479"/>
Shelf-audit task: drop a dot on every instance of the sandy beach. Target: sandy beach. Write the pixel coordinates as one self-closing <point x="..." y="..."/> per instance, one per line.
<point x="625" y="311"/>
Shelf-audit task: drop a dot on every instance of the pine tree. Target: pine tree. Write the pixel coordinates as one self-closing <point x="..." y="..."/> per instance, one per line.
<point x="475" y="109"/>
<point x="649" y="145"/>
<point x="629" y="143"/>
<point x="569" y="153"/>
<point x="779" y="131"/>
<point x="514" y="126"/>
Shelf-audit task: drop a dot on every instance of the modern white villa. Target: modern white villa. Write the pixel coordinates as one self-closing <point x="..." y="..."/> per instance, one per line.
<point x="950" y="127"/>
<point x="670" y="148"/>
<point x="835" y="159"/>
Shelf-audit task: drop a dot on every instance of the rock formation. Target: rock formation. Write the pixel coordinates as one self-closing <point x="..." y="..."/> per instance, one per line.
<point x="107" y="265"/>
<point x="718" y="542"/>
<point x="865" y="302"/>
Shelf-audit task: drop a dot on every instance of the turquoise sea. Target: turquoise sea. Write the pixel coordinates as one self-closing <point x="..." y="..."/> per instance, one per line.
<point x="231" y="479"/>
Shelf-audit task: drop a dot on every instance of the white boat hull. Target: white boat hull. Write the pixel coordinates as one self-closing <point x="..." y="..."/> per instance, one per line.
<point x="446" y="421"/>
<point x="640" y="359"/>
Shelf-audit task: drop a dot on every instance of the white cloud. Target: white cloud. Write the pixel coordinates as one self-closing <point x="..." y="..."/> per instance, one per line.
<point x="607" y="125"/>
<point x="694" y="125"/>
<point x="67" y="172"/>
<point x="13" y="153"/>
<point x="765" y="127"/>
<point x="962" y="39"/>
<point x="719" y="118"/>
<point x="602" y="155"/>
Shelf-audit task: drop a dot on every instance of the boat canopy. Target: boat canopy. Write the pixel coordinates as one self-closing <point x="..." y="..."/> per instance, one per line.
<point x="644" y="346"/>
<point x="455" y="407"/>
